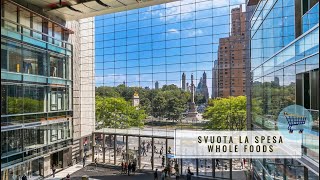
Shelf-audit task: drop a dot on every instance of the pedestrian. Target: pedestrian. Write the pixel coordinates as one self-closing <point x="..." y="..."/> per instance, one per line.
<point x="53" y="170"/>
<point x="189" y="174"/>
<point x="84" y="161"/>
<point x="122" y="167"/>
<point x="68" y="177"/>
<point x="244" y="162"/>
<point x="134" y="165"/>
<point x="155" y="174"/>
<point x="163" y="175"/>
<point x="155" y="149"/>
<point x="163" y="159"/>
<point x="125" y="167"/>
<point x="217" y="163"/>
<point x="177" y="175"/>
<point x="129" y="168"/>
<point x="148" y="147"/>
<point x="161" y="151"/>
<point x="144" y="151"/>
<point x="24" y="177"/>
<point x="96" y="162"/>
<point x="241" y="162"/>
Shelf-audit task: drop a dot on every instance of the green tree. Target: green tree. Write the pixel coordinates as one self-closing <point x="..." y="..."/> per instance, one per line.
<point x="118" y="113"/>
<point x="174" y="108"/>
<point x="107" y="91"/>
<point x="145" y="104"/>
<point x="199" y="98"/>
<point x="158" y="106"/>
<point x="226" y="113"/>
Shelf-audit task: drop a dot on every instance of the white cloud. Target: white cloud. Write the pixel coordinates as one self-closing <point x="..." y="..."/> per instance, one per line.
<point x="185" y="9"/>
<point x="193" y="33"/>
<point x="173" y="31"/>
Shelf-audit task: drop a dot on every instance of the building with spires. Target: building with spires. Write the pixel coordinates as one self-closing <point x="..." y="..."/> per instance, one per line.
<point x="202" y="87"/>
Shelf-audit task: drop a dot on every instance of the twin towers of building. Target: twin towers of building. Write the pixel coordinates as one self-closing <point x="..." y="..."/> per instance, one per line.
<point x="202" y="87"/>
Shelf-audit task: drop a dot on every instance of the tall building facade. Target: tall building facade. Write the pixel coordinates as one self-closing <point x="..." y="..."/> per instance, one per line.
<point x="231" y="58"/>
<point x="47" y="91"/>
<point x="156" y="85"/>
<point x="285" y="71"/>
<point x="215" y="75"/>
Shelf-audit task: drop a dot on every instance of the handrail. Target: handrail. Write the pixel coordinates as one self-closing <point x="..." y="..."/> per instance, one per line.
<point x="33" y="30"/>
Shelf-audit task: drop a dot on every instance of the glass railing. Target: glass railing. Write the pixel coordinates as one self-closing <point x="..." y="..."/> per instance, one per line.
<point x="23" y="33"/>
<point x="310" y="18"/>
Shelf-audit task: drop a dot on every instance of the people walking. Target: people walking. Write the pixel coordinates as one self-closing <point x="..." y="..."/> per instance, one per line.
<point x="144" y="151"/>
<point x="189" y="174"/>
<point x="163" y="159"/>
<point x="163" y="175"/>
<point x="155" y="174"/>
<point x="241" y="162"/>
<point x="161" y="151"/>
<point x="96" y="162"/>
<point x="129" y="168"/>
<point x="134" y="165"/>
<point x="84" y="161"/>
<point x="122" y="167"/>
<point x="217" y="163"/>
<point x="125" y="167"/>
<point x="53" y="170"/>
<point x="24" y="177"/>
<point x="68" y="177"/>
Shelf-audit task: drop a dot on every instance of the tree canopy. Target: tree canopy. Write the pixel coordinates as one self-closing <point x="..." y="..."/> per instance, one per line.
<point x="226" y="113"/>
<point x="166" y="102"/>
<point x="118" y="113"/>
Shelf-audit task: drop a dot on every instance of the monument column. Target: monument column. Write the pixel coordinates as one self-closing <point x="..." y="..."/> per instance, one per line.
<point x="192" y="106"/>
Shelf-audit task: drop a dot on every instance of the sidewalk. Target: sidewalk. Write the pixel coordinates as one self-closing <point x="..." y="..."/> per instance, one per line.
<point x="70" y="170"/>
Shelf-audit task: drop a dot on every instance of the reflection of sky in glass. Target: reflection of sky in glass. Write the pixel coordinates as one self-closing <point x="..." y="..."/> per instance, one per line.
<point x="160" y="42"/>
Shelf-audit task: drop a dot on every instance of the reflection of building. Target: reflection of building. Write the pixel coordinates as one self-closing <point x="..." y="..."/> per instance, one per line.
<point x="202" y="87"/>
<point x="215" y="80"/>
<point x="285" y="71"/>
<point x="231" y="58"/>
<point x="184" y="88"/>
<point x="41" y="73"/>
<point x="156" y="85"/>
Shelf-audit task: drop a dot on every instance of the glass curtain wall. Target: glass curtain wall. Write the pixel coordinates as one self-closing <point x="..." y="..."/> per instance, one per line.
<point x="148" y="60"/>
<point x="285" y="71"/>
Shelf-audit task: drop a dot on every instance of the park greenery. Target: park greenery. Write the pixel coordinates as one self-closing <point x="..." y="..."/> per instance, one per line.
<point x="268" y="100"/>
<point x="226" y="113"/>
<point x="118" y="113"/>
<point x="17" y="105"/>
<point x="114" y="105"/>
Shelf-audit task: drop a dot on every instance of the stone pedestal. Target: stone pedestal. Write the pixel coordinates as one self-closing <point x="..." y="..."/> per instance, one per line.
<point x="192" y="110"/>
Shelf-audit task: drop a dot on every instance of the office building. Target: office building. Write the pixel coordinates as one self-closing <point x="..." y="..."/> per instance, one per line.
<point x="231" y="79"/>
<point x="47" y="93"/>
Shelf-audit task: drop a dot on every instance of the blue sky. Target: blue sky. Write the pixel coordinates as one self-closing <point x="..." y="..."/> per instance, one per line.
<point x="159" y="43"/>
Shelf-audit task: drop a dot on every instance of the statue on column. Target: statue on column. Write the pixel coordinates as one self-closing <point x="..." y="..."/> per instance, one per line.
<point x="192" y="106"/>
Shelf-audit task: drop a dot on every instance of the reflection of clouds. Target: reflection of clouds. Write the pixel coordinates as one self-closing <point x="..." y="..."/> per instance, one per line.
<point x="173" y="31"/>
<point x="196" y="32"/>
